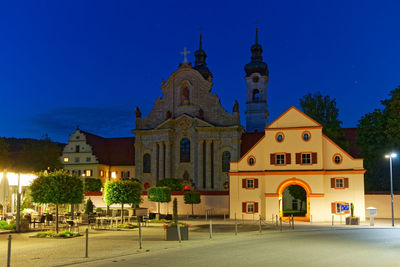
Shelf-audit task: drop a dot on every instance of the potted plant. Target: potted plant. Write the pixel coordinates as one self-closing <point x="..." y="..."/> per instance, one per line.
<point x="171" y="229"/>
<point x="352" y="220"/>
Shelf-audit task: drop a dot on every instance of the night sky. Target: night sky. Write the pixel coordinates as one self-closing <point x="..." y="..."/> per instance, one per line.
<point x="69" y="63"/>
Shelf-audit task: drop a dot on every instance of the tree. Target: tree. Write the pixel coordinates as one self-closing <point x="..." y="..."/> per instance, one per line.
<point x="175" y="210"/>
<point x="378" y="134"/>
<point x="173" y="183"/>
<point x="89" y="206"/>
<point x="323" y="110"/>
<point x="92" y="185"/>
<point x="192" y="198"/>
<point x="159" y="194"/>
<point x="298" y="192"/>
<point x="58" y="187"/>
<point x="4" y="156"/>
<point x="122" y="192"/>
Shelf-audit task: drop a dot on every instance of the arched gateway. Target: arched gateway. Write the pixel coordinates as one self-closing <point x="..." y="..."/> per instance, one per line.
<point x="284" y="185"/>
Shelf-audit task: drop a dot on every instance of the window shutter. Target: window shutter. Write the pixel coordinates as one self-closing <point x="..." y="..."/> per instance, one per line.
<point x="243" y="206"/>
<point x="346" y="182"/>
<point x="288" y="158"/>
<point x="244" y="184"/>
<point x="255" y="183"/>
<point x="333" y="185"/>
<point x="333" y="207"/>
<point x="298" y="158"/>
<point x="272" y="157"/>
<point x="256" y="207"/>
<point x="314" y="158"/>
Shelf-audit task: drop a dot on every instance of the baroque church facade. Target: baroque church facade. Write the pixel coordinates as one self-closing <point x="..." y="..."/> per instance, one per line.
<point x="188" y="135"/>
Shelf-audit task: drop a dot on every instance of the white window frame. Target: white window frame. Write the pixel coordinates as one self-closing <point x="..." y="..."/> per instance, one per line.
<point x="250" y="207"/>
<point x="250" y="183"/>
<point x="339" y="183"/>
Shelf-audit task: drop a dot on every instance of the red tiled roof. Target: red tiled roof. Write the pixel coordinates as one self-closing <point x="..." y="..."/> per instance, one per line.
<point x="249" y="140"/>
<point x="351" y="136"/>
<point x="112" y="151"/>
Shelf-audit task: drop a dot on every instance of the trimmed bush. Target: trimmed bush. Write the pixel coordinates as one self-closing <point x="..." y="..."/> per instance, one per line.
<point x="173" y="183"/>
<point x="159" y="194"/>
<point x="92" y="185"/>
<point x="192" y="198"/>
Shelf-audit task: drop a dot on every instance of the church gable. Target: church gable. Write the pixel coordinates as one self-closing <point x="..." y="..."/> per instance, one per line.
<point x="293" y="118"/>
<point x="187" y="92"/>
<point x="183" y="122"/>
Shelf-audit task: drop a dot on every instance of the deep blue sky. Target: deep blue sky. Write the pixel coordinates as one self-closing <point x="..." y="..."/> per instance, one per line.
<point x="68" y="63"/>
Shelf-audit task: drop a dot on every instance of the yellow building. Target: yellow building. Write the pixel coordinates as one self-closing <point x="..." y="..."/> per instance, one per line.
<point x="294" y="152"/>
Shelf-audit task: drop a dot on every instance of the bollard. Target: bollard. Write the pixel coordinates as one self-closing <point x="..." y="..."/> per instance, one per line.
<point x="140" y="234"/>
<point x="242" y="219"/>
<point x="210" y="228"/>
<point x="235" y="225"/>
<point x="87" y="243"/>
<point x="280" y="221"/>
<point x="272" y="219"/>
<point x="179" y="231"/>
<point x="310" y="219"/>
<point x="276" y="220"/>
<point x="332" y="219"/>
<point x="206" y="215"/>
<point x="9" y="251"/>
<point x="224" y="217"/>
<point x="260" y="225"/>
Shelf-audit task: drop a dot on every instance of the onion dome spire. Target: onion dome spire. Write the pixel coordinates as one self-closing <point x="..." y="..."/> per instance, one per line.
<point x="200" y="64"/>
<point x="256" y="65"/>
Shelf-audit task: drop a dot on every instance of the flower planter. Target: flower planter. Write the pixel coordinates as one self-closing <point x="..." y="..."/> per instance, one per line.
<point x="171" y="233"/>
<point x="352" y="220"/>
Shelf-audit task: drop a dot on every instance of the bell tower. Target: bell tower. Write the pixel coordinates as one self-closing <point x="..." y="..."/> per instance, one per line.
<point x="256" y="83"/>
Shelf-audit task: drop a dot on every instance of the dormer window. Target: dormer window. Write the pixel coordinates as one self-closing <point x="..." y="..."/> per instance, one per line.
<point x="256" y="95"/>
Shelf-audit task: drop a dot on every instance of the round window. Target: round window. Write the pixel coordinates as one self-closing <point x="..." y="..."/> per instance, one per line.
<point x="255" y="79"/>
<point x="279" y="137"/>
<point x="337" y="159"/>
<point x="306" y="136"/>
<point x="251" y="160"/>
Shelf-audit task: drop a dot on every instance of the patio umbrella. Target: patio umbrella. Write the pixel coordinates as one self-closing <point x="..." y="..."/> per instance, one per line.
<point x="4" y="192"/>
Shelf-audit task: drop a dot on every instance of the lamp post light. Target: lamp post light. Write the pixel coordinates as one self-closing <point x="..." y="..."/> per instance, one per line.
<point x="390" y="157"/>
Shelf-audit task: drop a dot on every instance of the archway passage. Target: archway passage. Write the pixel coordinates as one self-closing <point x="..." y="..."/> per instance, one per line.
<point x="294" y="201"/>
<point x="305" y="216"/>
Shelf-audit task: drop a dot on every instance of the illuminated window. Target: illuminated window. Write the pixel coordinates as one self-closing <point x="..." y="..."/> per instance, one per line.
<point x="88" y="172"/>
<point x="280" y="159"/>
<point x="101" y="173"/>
<point x="66" y="159"/>
<point x="306" y="158"/>
<point x="114" y="175"/>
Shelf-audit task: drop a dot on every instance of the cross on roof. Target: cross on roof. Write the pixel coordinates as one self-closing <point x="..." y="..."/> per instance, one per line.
<point x="184" y="53"/>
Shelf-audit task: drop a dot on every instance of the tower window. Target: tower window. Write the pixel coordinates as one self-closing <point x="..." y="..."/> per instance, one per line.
<point x="255" y="79"/>
<point x="256" y="95"/>
<point x="185" y="150"/>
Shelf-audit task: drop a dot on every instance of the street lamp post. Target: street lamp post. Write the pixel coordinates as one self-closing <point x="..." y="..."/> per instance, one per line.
<point x="390" y="157"/>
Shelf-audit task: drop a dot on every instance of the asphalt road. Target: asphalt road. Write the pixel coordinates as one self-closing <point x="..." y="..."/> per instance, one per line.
<point x="323" y="247"/>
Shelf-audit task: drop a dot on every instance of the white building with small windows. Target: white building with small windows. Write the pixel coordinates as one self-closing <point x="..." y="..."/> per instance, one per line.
<point x="89" y="155"/>
<point x="293" y="168"/>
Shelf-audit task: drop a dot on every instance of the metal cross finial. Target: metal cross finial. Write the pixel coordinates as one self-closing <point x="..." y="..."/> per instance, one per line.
<point x="184" y="53"/>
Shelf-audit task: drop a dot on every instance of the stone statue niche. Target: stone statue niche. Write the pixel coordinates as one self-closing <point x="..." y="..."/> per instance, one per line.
<point x="185" y="93"/>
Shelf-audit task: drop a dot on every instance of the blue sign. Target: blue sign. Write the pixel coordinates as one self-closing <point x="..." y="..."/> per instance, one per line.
<point x="345" y="207"/>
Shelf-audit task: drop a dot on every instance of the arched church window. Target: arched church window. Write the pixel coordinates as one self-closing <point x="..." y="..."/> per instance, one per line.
<point x="185" y="150"/>
<point x="185" y="96"/>
<point x="256" y="95"/>
<point x="146" y="163"/>
<point x="226" y="159"/>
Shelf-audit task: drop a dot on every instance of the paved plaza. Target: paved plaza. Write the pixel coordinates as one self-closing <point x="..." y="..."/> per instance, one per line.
<point x="306" y="245"/>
